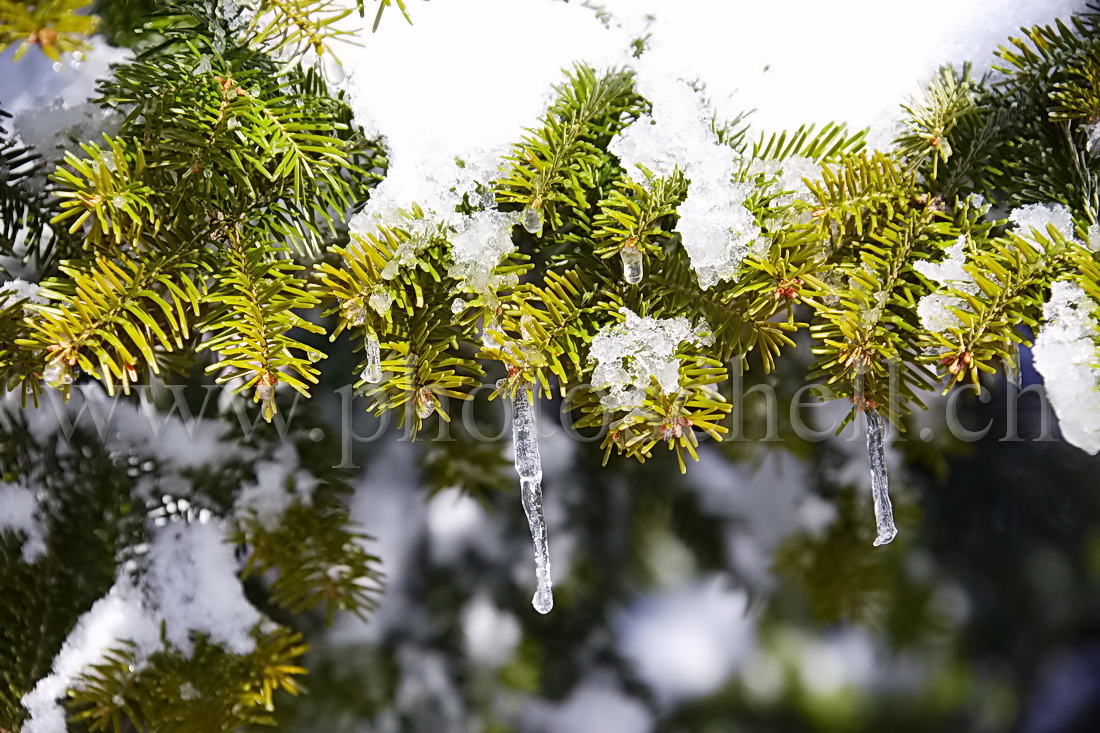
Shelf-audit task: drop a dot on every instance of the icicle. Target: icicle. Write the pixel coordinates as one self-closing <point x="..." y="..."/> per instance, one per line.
<point x="532" y="219"/>
<point x="632" y="264"/>
<point x="1012" y="365"/>
<point x="372" y="373"/>
<point x="884" y="512"/>
<point x="529" y="468"/>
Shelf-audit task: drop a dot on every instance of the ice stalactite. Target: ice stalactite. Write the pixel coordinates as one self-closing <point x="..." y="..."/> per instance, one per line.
<point x="632" y="264"/>
<point x="529" y="467"/>
<point x="880" y="484"/>
<point x="372" y="373"/>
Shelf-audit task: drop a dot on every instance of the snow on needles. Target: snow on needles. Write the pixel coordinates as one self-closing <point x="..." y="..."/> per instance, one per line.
<point x="630" y="354"/>
<point x="934" y="309"/>
<point x="1038" y="217"/>
<point x="716" y="227"/>
<point x="1065" y="354"/>
<point x="190" y="585"/>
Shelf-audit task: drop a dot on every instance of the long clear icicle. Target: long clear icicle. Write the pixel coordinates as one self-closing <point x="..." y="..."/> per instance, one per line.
<point x="529" y="467"/>
<point x="880" y="484"/>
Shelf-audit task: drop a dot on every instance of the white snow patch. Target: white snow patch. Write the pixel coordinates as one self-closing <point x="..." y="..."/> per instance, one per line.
<point x="1041" y="216"/>
<point x="117" y="616"/>
<point x="278" y="485"/>
<point x="629" y="354"/>
<point x="21" y="289"/>
<point x="1066" y="355"/>
<point x="717" y="230"/>
<point x="934" y="309"/>
<point x="448" y="97"/>
<point x="192" y="584"/>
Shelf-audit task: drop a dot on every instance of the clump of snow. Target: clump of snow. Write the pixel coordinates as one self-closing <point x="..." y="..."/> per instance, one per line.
<point x="19" y="511"/>
<point x="118" y="615"/>
<point x="790" y="175"/>
<point x="1092" y="243"/>
<point x="1065" y="354"/>
<point x="631" y="353"/>
<point x="438" y="150"/>
<point x="21" y="289"/>
<point x="1041" y="216"/>
<point x="934" y="309"/>
<point x="484" y="239"/>
<point x="278" y="485"/>
<point x="192" y="584"/>
<point x="717" y="229"/>
<point x="785" y="75"/>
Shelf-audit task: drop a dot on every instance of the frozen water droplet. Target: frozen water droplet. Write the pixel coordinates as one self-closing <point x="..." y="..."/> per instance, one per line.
<point x="425" y="403"/>
<point x="632" y="264"/>
<point x="529" y="467"/>
<point x="265" y="391"/>
<point x="389" y="272"/>
<point x="880" y="485"/>
<point x="118" y="201"/>
<point x="54" y="375"/>
<point x="381" y="300"/>
<point x="372" y="373"/>
<point x="458" y="305"/>
<point x="532" y="219"/>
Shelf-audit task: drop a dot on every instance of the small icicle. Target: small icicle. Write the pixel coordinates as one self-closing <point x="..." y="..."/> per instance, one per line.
<point x="532" y="219"/>
<point x="372" y="373"/>
<point x="884" y="511"/>
<point x="529" y="468"/>
<point x="632" y="264"/>
<point x="1012" y="365"/>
